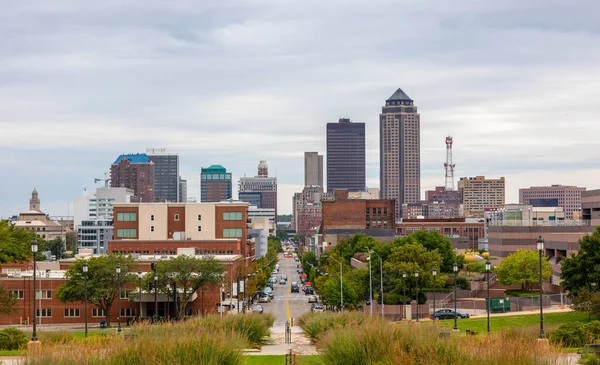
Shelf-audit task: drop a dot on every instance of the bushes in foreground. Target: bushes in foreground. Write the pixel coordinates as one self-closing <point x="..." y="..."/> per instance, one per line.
<point x="12" y="339"/>
<point x="315" y="325"/>
<point x="576" y="334"/>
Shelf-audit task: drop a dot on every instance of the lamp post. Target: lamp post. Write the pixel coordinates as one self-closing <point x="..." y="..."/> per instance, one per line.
<point x="85" y="271"/>
<point x="404" y="297"/>
<point x="34" y="250"/>
<point x="380" y="280"/>
<point x="140" y="280"/>
<point x="488" y="268"/>
<point x="455" y="269"/>
<point x="417" y="277"/>
<point x="434" y="272"/>
<point x="155" y="317"/>
<point x="119" y="298"/>
<point x="370" y="283"/>
<point x="540" y="247"/>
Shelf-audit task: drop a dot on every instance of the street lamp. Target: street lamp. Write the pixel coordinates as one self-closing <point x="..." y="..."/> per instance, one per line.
<point x="540" y="247"/>
<point x="417" y="277"/>
<point x="140" y="280"/>
<point x="119" y="298"/>
<point x="488" y="268"/>
<point x="404" y="297"/>
<point x="155" y="293"/>
<point x="370" y="284"/>
<point x="85" y="271"/>
<point x="34" y="250"/>
<point x="380" y="280"/>
<point x="434" y="272"/>
<point x="455" y="269"/>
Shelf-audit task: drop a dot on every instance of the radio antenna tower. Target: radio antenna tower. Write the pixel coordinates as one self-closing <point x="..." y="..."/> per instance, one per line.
<point x="449" y="166"/>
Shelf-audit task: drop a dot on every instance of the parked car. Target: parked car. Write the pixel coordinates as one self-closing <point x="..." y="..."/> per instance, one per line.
<point x="274" y="280"/>
<point x="282" y="281"/>
<point x="257" y="308"/>
<point x="295" y="287"/>
<point x="448" y="314"/>
<point x="317" y="307"/>
<point x="264" y="299"/>
<point x="312" y="299"/>
<point x="309" y="290"/>
<point x="284" y="276"/>
<point x="269" y="292"/>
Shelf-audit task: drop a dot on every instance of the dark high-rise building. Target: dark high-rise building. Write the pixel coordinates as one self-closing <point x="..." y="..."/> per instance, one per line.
<point x="400" y="151"/>
<point x="215" y="184"/>
<point x="346" y="166"/>
<point x="166" y="174"/>
<point x="134" y="171"/>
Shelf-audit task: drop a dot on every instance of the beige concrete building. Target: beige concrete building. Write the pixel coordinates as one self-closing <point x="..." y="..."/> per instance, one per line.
<point x="567" y="197"/>
<point x="35" y="220"/>
<point x="590" y="206"/>
<point x="313" y="169"/>
<point x="480" y="194"/>
<point x="371" y="193"/>
<point x="400" y="150"/>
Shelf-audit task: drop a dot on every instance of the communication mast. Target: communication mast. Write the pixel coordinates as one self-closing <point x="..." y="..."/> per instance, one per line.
<point x="449" y="166"/>
<point x="106" y="180"/>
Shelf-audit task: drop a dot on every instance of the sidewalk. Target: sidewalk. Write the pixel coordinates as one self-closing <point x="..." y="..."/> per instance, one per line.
<point x="300" y="345"/>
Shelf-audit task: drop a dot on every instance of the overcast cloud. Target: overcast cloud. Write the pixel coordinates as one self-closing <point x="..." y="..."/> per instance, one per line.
<point x="517" y="83"/>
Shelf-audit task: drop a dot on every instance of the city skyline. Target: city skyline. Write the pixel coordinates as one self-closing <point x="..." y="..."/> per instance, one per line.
<point x="515" y="85"/>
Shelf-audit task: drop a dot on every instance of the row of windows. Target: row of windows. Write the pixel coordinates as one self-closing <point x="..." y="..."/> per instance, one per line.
<point x="127" y="233"/>
<point x="166" y="252"/>
<point x="232" y="232"/>
<point x="127" y="216"/>
<point x="232" y="216"/>
<point x="39" y="294"/>
<point x="76" y="312"/>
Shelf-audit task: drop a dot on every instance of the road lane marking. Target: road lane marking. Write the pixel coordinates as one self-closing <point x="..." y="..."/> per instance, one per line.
<point x="287" y="301"/>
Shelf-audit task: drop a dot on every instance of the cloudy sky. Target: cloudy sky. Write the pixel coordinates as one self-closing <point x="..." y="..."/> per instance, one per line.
<point x="517" y="83"/>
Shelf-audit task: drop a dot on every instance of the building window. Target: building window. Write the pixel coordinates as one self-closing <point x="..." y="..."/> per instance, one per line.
<point x="172" y="252"/>
<point x="232" y="216"/>
<point x="152" y="217"/>
<point x="45" y="294"/>
<point x="156" y="252"/>
<point x="176" y="217"/>
<point x="199" y="217"/>
<point x="43" y="312"/>
<point x="97" y="312"/>
<point x="127" y="216"/>
<point x="199" y="228"/>
<point x="71" y="312"/>
<point x="232" y="232"/>
<point x="124" y="294"/>
<point x="230" y="252"/>
<point x="127" y="312"/>
<point x="17" y="294"/>
<point x="126" y="233"/>
<point x="151" y="228"/>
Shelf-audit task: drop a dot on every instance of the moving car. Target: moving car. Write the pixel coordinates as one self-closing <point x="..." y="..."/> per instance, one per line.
<point x="264" y="299"/>
<point x="295" y="287"/>
<point x="308" y="290"/>
<point x="257" y="308"/>
<point x="274" y="280"/>
<point x="282" y="281"/>
<point x="448" y="314"/>
<point x="312" y="299"/>
<point x="269" y="292"/>
<point x="317" y="307"/>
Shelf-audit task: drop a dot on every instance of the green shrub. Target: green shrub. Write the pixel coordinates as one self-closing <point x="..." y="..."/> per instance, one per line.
<point x="315" y="325"/>
<point x="462" y="283"/>
<point x="589" y="359"/>
<point x="12" y="339"/>
<point x="476" y="267"/>
<point x="570" y="334"/>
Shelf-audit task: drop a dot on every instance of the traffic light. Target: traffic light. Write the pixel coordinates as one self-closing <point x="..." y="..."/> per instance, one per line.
<point x="150" y="286"/>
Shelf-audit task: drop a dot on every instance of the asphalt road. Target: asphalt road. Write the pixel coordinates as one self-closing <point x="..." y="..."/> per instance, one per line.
<point x="286" y="305"/>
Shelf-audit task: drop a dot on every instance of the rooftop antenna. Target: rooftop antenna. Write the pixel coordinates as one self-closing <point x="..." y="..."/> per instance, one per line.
<point x="449" y="166"/>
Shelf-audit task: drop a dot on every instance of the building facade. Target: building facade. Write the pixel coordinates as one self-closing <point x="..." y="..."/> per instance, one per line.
<point x="567" y="197"/>
<point x="463" y="234"/>
<point x="183" y="191"/>
<point x="35" y="220"/>
<point x="480" y="194"/>
<point x="346" y="161"/>
<point x="166" y="174"/>
<point x="400" y="150"/>
<point x="163" y="227"/>
<point x="313" y="169"/>
<point x="261" y="190"/>
<point x="590" y="205"/>
<point x="134" y="171"/>
<point x="215" y="184"/>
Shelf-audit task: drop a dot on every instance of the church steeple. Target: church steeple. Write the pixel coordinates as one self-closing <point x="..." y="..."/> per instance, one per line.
<point x="34" y="202"/>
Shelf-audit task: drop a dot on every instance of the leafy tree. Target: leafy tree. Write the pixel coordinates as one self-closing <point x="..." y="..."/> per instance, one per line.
<point x="308" y="259"/>
<point x="102" y="283"/>
<point x="56" y="247"/>
<point x="281" y="234"/>
<point x="189" y="273"/>
<point x="71" y="241"/>
<point x="330" y="293"/>
<point x="15" y="243"/>
<point x="274" y="242"/>
<point x="522" y="267"/>
<point x="8" y="304"/>
<point x="588" y="302"/>
<point x="432" y="241"/>
<point x="581" y="271"/>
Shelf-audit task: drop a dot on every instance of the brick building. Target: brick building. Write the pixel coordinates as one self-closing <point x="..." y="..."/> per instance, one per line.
<point x="161" y="228"/>
<point x="463" y="234"/>
<point x="480" y="194"/>
<point x="215" y="184"/>
<point x="18" y="279"/>
<point x="343" y="217"/>
<point x="567" y="197"/>
<point x="134" y="171"/>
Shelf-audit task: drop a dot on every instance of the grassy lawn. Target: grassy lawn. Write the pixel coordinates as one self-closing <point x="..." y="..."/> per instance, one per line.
<point x="525" y="321"/>
<point x="273" y="359"/>
<point x="11" y="353"/>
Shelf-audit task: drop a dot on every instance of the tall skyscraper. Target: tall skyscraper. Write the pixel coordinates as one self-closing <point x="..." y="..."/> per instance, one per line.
<point x="215" y="184"/>
<point x="166" y="174"/>
<point x="134" y="171"/>
<point x="346" y="167"/>
<point x="261" y="190"/>
<point x="313" y="169"/>
<point x="183" y="198"/>
<point x="400" y="150"/>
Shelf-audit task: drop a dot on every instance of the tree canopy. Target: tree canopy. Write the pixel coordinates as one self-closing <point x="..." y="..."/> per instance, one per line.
<point x="581" y="271"/>
<point x="15" y="243"/>
<point x="102" y="283"/>
<point x="432" y="241"/>
<point x="522" y="267"/>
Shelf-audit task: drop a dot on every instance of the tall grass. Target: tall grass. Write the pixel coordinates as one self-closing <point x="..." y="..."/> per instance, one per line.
<point x="315" y="325"/>
<point x="211" y="340"/>
<point x="381" y="342"/>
